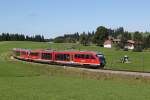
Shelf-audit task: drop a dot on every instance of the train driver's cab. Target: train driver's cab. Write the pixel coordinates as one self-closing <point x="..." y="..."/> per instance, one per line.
<point x="101" y="59"/>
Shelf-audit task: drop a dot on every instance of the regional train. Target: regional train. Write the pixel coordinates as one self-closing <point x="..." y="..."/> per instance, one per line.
<point x="82" y="58"/>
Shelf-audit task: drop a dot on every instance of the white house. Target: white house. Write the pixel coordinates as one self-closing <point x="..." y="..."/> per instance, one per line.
<point x="107" y="44"/>
<point x="130" y="44"/>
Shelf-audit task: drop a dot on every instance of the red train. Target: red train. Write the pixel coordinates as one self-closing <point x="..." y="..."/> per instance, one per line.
<point x="86" y="58"/>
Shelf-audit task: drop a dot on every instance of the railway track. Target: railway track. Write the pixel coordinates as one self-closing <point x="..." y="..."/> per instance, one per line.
<point x="136" y="74"/>
<point x="122" y="72"/>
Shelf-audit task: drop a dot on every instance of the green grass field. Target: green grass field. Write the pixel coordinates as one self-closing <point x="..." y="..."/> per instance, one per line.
<point x="26" y="81"/>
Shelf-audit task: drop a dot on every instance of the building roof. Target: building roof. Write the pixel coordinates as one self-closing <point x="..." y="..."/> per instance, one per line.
<point x="107" y="42"/>
<point x="131" y="41"/>
<point x="116" y="40"/>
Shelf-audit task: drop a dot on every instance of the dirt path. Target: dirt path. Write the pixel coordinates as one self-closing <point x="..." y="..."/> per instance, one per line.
<point x="102" y="71"/>
<point x="113" y="72"/>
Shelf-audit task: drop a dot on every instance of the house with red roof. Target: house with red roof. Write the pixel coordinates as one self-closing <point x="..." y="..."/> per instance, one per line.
<point x="107" y="44"/>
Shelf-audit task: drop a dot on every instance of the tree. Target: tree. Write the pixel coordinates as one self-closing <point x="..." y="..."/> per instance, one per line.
<point x="101" y="35"/>
<point x="138" y="38"/>
<point x="118" y="31"/>
<point x="76" y="36"/>
<point x="20" y="37"/>
<point x="124" y="38"/>
<point x="147" y="42"/>
<point x="111" y="33"/>
<point x="84" y="39"/>
<point x="59" y="39"/>
<point x="68" y="38"/>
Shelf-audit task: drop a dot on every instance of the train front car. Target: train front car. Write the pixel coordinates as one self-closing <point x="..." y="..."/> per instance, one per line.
<point x="102" y="60"/>
<point x="88" y="58"/>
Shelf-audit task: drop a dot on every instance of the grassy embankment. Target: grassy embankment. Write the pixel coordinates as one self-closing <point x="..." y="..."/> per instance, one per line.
<point x="26" y="81"/>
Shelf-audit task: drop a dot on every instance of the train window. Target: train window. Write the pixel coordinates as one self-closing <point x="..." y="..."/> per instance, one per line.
<point x="46" y="56"/>
<point x="17" y="53"/>
<point x="63" y="57"/>
<point x="23" y="53"/>
<point x="82" y="56"/>
<point x="66" y="57"/>
<point x="59" y="56"/>
<point x="91" y="57"/>
<point x="34" y="53"/>
<point x="87" y="56"/>
<point x="77" y="56"/>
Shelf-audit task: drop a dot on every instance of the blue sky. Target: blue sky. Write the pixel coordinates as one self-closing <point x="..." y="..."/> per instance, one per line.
<point x="57" y="17"/>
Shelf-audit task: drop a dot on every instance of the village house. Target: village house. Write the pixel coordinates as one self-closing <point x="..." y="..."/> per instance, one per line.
<point x="116" y="41"/>
<point x="130" y="45"/>
<point x="107" y="44"/>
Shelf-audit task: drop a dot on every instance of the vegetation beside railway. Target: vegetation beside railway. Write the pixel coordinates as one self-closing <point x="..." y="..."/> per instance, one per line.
<point x="21" y="80"/>
<point x="138" y="61"/>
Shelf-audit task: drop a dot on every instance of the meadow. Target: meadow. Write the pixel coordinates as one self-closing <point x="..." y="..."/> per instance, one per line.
<point x="139" y="61"/>
<point x="27" y="81"/>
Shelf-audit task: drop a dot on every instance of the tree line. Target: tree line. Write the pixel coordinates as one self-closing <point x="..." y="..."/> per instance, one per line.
<point x="21" y="37"/>
<point x="97" y="37"/>
<point x="102" y="33"/>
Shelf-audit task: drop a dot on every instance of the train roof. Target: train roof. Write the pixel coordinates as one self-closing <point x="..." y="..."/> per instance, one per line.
<point x="35" y="50"/>
<point x="19" y="49"/>
<point x="39" y="50"/>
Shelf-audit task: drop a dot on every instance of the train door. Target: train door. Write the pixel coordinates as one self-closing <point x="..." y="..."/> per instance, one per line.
<point x="24" y="54"/>
<point x="34" y="55"/>
<point x="71" y="57"/>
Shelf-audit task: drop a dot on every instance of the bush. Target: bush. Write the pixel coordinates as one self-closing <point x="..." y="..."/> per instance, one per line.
<point x="125" y="49"/>
<point x="138" y="49"/>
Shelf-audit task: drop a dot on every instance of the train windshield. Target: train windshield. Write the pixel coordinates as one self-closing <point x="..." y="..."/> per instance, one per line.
<point x="101" y="58"/>
<point x="100" y="55"/>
